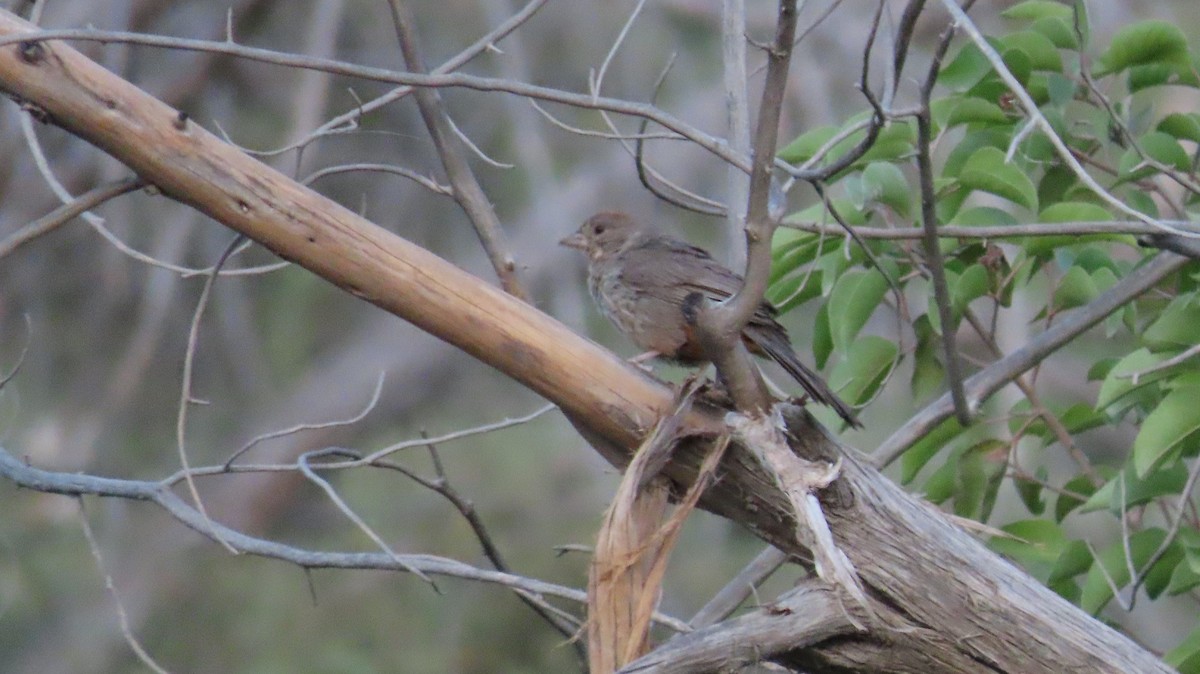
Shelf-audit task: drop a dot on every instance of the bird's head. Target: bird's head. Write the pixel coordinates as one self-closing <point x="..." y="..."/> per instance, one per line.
<point x="603" y="234"/>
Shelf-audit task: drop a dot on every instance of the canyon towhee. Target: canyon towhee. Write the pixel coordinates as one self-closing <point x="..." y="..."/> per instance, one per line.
<point x="641" y="282"/>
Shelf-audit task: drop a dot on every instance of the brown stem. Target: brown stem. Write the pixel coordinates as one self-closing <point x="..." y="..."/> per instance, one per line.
<point x="721" y="325"/>
<point x="467" y="191"/>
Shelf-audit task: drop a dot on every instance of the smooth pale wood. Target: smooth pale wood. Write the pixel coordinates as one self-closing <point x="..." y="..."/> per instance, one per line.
<point x="965" y="608"/>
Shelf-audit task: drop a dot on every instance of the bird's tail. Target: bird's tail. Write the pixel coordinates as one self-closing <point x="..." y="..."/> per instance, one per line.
<point x="780" y="351"/>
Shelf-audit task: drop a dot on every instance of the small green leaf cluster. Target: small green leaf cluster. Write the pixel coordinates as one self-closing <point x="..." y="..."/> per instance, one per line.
<point x="998" y="174"/>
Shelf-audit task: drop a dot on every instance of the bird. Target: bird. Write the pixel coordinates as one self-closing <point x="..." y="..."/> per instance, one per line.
<point x="642" y="282"/>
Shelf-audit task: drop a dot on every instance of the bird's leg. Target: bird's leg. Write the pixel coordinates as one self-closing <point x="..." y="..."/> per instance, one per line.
<point x="641" y="359"/>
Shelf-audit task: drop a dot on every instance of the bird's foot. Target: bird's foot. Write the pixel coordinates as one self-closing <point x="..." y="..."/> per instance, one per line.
<point x="641" y="360"/>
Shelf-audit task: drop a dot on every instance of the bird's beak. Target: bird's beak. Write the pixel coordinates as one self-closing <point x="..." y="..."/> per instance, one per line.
<point x="575" y="241"/>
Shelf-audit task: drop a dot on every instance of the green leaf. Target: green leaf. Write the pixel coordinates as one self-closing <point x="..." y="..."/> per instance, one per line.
<point x="1038" y="546"/>
<point x="1082" y="22"/>
<point x="1074" y="211"/>
<point x="1136" y="491"/>
<point x="970" y="144"/>
<point x="1077" y="418"/>
<point x="1119" y="382"/>
<point x="866" y="366"/>
<point x="965" y="70"/>
<point x="1159" y="577"/>
<point x="928" y="373"/>
<point x="1175" y="419"/>
<point x="983" y="216"/>
<point x="1054" y="185"/>
<point x="1030" y="492"/>
<point x="1161" y="74"/>
<point x="794" y="290"/>
<point x="884" y="183"/>
<point x="1074" y="560"/>
<point x="992" y="87"/>
<point x="1183" y="579"/>
<point x="926" y="448"/>
<point x="1031" y="10"/>
<point x="1182" y="126"/>
<point x="969" y="286"/>
<point x="1043" y="55"/>
<point x="1070" y="211"/>
<point x="1158" y="146"/>
<point x="1176" y="325"/>
<point x="822" y="341"/>
<point x="1186" y="656"/>
<point x="1058" y="31"/>
<point x="1142" y="43"/>
<point x="1075" y="289"/>
<point x="1060" y="89"/>
<point x="950" y="112"/>
<point x="1080" y="484"/>
<point x="897" y="140"/>
<point x="987" y="171"/>
<point x="1096" y="589"/>
<point x="1081" y="417"/>
<point x="856" y="295"/>
<point x="941" y="484"/>
<point x="804" y="146"/>
<point x="980" y="472"/>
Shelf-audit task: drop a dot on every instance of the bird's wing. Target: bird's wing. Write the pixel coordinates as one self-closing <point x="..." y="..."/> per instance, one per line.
<point x="679" y="269"/>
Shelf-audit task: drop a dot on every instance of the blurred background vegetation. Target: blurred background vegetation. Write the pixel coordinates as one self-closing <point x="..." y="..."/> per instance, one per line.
<point x="99" y="388"/>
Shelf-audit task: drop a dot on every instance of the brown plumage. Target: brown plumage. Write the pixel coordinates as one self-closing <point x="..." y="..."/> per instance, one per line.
<point x="640" y="282"/>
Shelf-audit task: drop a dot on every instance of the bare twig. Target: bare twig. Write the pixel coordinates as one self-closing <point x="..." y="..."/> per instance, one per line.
<point x="929" y="226"/>
<point x="21" y="356"/>
<point x="349" y="120"/>
<point x="565" y="625"/>
<point x="687" y="200"/>
<point x="805" y="616"/>
<point x="77" y="484"/>
<point x="596" y="78"/>
<point x="607" y="135"/>
<point x="1184" y="496"/>
<point x="122" y="617"/>
<point x="307" y="471"/>
<point x="1185" y="355"/>
<point x="186" y="399"/>
<point x="95" y="221"/>
<point x="467" y="190"/>
<point x="298" y="428"/>
<point x="424" y="181"/>
<point x="730" y="597"/>
<point x="737" y="111"/>
<point x="712" y="144"/>
<point x="721" y="325"/>
<point x="66" y="212"/>
<point x="368" y="460"/>
<point x="1051" y="420"/>
<point x="595" y="85"/>
<point x="470" y="145"/>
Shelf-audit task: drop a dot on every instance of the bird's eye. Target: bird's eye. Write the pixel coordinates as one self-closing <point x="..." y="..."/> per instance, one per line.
<point x="598" y="229"/>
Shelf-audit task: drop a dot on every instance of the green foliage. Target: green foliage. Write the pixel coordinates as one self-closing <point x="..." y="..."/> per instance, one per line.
<point x="993" y="168"/>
